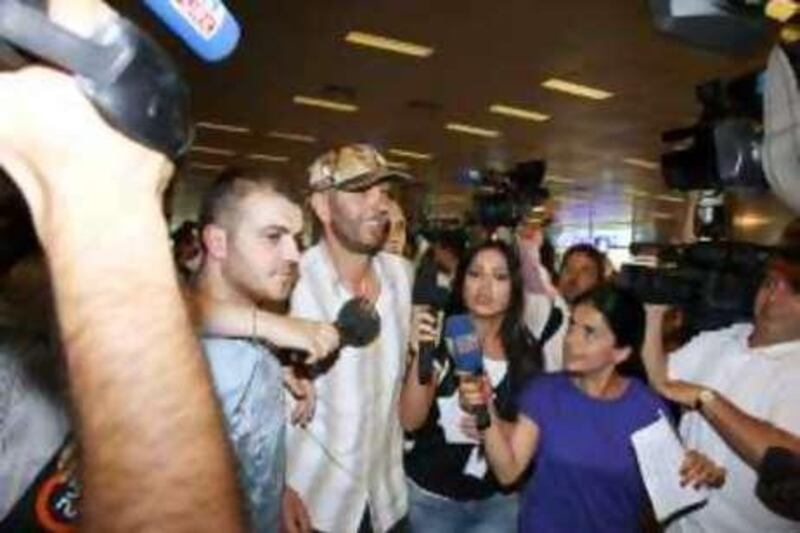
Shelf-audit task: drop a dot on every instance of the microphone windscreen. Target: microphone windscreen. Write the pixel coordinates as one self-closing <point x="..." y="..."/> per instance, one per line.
<point x="462" y="339"/>
<point x="206" y="26"/>
<point x="358" y="323"/>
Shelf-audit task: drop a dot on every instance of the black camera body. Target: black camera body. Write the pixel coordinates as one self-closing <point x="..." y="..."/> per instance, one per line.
<point x="714" y="283"/>
<point x="504" y="198"/>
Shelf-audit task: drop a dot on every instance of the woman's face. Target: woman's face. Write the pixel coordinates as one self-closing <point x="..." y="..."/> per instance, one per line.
<point x="487" y="284"/>
<point x="589" y="344"/>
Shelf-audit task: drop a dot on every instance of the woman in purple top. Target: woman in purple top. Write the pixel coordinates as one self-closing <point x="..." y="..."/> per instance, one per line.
<point x="575" y="427"/>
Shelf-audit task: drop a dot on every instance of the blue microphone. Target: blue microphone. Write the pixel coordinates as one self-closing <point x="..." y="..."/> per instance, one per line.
<point x="206" y="26"/>
<point x="463" y="344"/>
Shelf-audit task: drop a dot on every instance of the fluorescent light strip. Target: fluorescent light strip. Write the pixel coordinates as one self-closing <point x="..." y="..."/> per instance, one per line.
<point x="558" y="179"/>
<point x="517" y="112"/>
<point x="668" y="198"/>
<point x="296" y="137"/>
<point x="326" y="104"/>
<point x="269" y="158"/>
<point x="472" y="130"/>
<point x="576" y="89"/>
<point x="641" y="163"/>
<point x="388" y="44"/>
<point x="222" y="127"/>
<point x="636" y="192"/>
<point x="206" y="166"/>
<point x="410" y="154"/>
<point x="212" y="150"/>
<point x="397" y="165"/>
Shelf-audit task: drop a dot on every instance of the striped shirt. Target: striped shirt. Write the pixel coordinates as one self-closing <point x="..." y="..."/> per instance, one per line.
<point x="350" y="454"/>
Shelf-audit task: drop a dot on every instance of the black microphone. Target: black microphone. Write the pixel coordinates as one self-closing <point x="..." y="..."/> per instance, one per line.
<point x="358" y="323"/>
<point x="427" y="292"/>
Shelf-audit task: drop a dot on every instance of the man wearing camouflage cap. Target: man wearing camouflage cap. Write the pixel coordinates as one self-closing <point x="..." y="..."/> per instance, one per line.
<point x="346" y="465"/>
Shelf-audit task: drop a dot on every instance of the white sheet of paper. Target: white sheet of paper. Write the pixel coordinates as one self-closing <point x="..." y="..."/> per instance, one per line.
<point x="660" y="455"/>
<point x="476" y="464"/>
<point x="450" y="415"/>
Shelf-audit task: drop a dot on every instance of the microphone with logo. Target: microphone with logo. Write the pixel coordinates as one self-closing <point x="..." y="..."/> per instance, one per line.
<point x="206" y="26"/>
<point x="427" y="292"/>
<point x="462" y="340"/>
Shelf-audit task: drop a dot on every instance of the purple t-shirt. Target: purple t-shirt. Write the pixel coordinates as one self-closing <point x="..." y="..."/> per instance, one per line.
<point x="586" y="477"/>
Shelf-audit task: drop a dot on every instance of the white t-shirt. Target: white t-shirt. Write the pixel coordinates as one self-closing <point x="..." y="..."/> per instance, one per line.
<point x="765" y="383"/>
<point x="351" y="453"/>
<point x="537" y="312"/>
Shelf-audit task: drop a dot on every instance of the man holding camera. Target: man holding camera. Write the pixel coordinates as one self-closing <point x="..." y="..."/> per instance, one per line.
<point x="742" y="384"/>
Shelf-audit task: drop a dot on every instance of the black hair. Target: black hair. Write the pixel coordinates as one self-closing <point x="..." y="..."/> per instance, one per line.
<point x="595" y="256"/>
<point x="522" y="350"/>
<point x="231" y="186"/>
<point x="624" y="314"/>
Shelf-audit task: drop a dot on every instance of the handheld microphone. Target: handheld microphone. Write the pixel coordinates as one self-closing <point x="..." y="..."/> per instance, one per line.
<point x="206" y="26"/>
<point x="463" y="342"/>
<point x="358" y="323"/>
<point x="427" y="292"/>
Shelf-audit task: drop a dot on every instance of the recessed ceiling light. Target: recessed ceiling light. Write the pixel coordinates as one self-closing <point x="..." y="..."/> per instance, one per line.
<point x="748" y="220"/>
<point x="206" y="166"/>
<point x="558" y="179"/>
<point x="222" y="127"/>
<point x="641" y="163"/>
<point x="211" y="150"/>
<point x="472" y="130"/>
<point x="296" y="137"/>
<point x="388" y="44"/>
<point x="668" y="198"/>
<point x="576" y="89"/>
<point x="410" y="154"/>
<point x="269" y="158"/>
<point x="630" y="191"/>
<point x="518" y="112"/>
<point x="325" y="104"/>
<point x="397" y="165"/>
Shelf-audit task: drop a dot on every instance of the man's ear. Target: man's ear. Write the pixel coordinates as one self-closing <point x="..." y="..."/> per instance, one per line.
<point x="321" y="207"/>
<point x="215" y="241"/>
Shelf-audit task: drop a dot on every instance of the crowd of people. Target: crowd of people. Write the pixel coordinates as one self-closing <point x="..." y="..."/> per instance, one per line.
<point x="208" y="387"/>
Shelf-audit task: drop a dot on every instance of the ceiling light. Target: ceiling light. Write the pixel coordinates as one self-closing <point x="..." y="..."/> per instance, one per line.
<point x="206" y="166"/>
<point x="269" y="158"/>
<point x="397" y="165"/>
<point x="636" y="192"/>
<point x="558" y="179"/>
<point x="472" y="130"/>
<point x="296" y="137"/>
<point x="388" y="44"/>
<point x="222" y="127"/>
<point x="212" y="150"/>
<point x="325" y="104"/>
<point x="668" y="198"/>
<point x="516" y="112"/>
<point x="410" y="154"/>
<point x="641" y="163"/>
<point x="750" y="221"/>
<point x="576" y="89"/>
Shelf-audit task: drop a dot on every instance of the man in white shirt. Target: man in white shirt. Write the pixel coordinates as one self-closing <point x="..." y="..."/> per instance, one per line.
<point x="346" y="465"/>
<point x="752" y="368"/>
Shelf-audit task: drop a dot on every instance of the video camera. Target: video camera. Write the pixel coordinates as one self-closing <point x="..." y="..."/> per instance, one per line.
<point x="714" y="283"/>
<point x="504" y="198"/>
<point x="748" y="134"/>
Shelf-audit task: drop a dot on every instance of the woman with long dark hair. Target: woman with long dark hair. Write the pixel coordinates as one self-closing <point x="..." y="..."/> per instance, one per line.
<point x="450" y="485"/>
